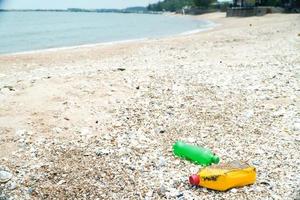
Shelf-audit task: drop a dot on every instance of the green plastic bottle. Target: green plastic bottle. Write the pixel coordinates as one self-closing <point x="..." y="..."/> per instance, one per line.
<point x="195" y="154"/>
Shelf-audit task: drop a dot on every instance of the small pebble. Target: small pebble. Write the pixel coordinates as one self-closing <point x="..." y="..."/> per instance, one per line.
<point x="149" y="193"/>
<point x="5" y="176"/>
<point x="101" y="152"/>
<point x="180" y="196"/>
<point x="30" y="190"/>
<point x="297" y="126"/>
<point x="57" y="130"/>
<point x="204" y="190"/>
<point x="61" y="182"/>
<point x="12" y="186"/>
<point x="233" y="190"/>
<point x="256" y="162"/>
<point x="121" y="69"/>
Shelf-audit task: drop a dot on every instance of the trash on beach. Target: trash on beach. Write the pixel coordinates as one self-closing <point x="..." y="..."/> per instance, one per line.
<point x="197" y="155"/>
<point x="225" y="176"/>
<point x="10" y="88"/>
<point x="121" y="69"/>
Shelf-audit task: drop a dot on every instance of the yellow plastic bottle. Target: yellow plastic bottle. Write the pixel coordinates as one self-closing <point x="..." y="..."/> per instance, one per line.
<point x="225" y="176"/>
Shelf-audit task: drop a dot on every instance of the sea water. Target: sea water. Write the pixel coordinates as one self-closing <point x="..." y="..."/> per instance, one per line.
<point x="27" y="31"/>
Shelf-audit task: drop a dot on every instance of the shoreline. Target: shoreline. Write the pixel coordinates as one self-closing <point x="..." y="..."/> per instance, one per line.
<point x="54" y="49"/>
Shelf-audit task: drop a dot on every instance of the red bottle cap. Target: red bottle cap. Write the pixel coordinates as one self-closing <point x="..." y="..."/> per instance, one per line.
<point x="194" y="179"/>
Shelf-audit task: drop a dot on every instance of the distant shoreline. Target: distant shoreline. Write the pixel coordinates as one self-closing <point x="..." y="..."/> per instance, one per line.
<point x="54" y="49"/>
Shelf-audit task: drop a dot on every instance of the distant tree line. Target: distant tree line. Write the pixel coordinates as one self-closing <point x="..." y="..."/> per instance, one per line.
<point x="173" y="5"/>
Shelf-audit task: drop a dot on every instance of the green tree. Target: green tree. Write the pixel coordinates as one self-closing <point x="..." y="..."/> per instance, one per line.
<point x="170" y="5"/>
<point x="203" y="3"/>
<point x="272" y="3"/>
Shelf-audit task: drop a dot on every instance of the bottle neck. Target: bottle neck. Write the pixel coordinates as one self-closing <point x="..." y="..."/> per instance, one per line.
<point x="215" y="159"/>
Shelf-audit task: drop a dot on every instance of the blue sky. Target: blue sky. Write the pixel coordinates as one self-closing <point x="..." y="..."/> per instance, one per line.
<point x="51" y="4"/>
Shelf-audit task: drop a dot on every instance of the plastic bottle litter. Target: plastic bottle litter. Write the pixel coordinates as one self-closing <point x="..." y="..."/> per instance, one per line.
<point x="225" y="176"/>
<point x="195" y="154"/>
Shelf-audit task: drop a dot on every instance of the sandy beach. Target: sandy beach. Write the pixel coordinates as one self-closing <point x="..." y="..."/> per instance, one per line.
<point x="99" y="122"/>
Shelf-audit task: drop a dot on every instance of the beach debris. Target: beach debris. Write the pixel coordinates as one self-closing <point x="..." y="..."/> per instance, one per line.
<point x="207" y="104"/>
<point x="265" y="182"/>
<point x="8" y="88"/>
<point x="225" y="176"/>
<point x="5" y="176"/>
<point x="180" y="196"/>
<point x="121" y="69"/>
<point x="196" y="154"/>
